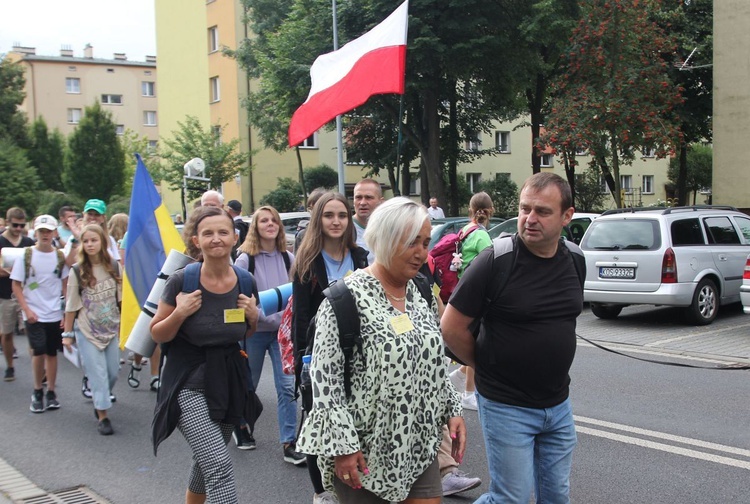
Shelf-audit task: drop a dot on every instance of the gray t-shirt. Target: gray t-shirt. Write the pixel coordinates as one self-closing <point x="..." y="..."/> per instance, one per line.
<point x="205" y="327"/>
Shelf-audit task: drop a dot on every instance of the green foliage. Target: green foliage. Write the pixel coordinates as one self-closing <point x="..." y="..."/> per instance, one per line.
<point x="321" y="176"/>
<point x="49" y="202"/>
<point x="95" y="166"/>
<point x="464" y="195"/>
<point x="223" y="159"/>
<point x="12" y="120"/>
<point x="118" y="204"/>
<point x="504" y="194"/>
<point x="615" y="98"/>
<point x="20" y="181"/>
<point x="286" y="197"/>
<point x="47" y="155"/>
<point x="132" y="143"/>
<point x="589" y="195"/>
<point x="699" y="169"/>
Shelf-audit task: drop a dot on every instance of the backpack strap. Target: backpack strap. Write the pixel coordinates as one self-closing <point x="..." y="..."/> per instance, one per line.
<point x="251" y="263"/>
<point x="423" y="284"/>
<point x="287" y="260"/>
<point x="245" y="279"/>
<point x="191" y="280"/>
<point x="347" y="319"/>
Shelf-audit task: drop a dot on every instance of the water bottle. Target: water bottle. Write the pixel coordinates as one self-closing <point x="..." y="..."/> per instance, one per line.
<point x="305" y="377"/>
<point x="305" y="384"/>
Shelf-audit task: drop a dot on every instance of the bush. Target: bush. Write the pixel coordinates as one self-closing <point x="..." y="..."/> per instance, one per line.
<point x="282" y="199"/>
<point x="504" y="194"/>
<point x="320" y="176"/>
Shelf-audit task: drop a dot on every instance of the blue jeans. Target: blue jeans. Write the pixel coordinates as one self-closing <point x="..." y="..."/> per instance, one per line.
<point x="286" y="406"/>
<point x="101" y="367"/>
<point x="527" y="447"/>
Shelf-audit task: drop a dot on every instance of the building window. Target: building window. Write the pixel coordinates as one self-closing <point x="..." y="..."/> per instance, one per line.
<point x="73" y="85"/>
<point x="149" y="118"/>
<point x="213" y="39"/>
<point x="148" y="88"/>
<point x="473" y="179"/>
<point x="216" y="132"/>
<point x="648" y="184"/>
<point x="111" y="99"/>
<point x="502" y="141"/>
<point x="626" y="183"/>
<point x="581" y="151"/>
<point x="546" y="160"/>
<point x="110" y="70"/>
<point x="215" y="89"/>
<point x="72" y="68"/>
<point x="474" y="142"/>
<point x="310" y="142"/>
<point x="120" y="129"/>
<point x="650" y="152"/>
<point x="603" y="188"/>
<point x="414" y="185"/>
<point x="147" y="72"/>
<point x="74" y="115"/>
<point x="152" y="146"/>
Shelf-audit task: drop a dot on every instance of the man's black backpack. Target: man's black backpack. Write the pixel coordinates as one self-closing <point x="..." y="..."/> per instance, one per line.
<point x="347" y="318"/>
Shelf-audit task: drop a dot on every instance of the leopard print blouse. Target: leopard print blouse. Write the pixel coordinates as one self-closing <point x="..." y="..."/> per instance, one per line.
<point x="401" y="394"/>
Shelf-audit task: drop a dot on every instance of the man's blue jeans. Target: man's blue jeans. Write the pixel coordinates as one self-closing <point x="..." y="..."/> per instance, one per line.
<point x="527" y="448"/>
<point x="286" y="406"/>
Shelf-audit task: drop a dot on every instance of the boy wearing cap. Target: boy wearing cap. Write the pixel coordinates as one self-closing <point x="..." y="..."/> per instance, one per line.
<point x="39" y="297"/>
<point x="94" y="212"/>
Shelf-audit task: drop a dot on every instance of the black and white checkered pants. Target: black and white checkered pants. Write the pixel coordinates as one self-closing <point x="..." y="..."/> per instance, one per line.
<point x="212" y="473"/>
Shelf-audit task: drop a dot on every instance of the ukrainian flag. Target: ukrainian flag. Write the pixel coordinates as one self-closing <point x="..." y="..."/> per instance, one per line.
<point x="151" y="235"/>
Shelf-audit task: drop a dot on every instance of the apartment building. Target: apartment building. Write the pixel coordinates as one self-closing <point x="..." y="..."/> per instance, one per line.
<point x="59" y="88"/>
<point x="196" y="78"/>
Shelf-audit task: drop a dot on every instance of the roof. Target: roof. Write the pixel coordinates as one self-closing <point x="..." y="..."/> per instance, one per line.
<point x="89" y="61"/>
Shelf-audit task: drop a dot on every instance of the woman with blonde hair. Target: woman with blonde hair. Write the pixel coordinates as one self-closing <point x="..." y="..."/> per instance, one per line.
<point x="93" y="298"/>
<point x="264" y="254"/>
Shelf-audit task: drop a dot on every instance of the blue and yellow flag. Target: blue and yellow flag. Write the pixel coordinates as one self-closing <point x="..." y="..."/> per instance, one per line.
<point x="151" y="235"/>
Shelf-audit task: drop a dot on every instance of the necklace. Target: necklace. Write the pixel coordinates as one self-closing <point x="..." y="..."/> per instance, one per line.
<point x="395" y="298"/>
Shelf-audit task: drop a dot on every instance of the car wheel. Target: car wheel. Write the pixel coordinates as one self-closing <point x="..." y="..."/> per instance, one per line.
<point x="705" y="304"/>
<point x="606" y="312"/>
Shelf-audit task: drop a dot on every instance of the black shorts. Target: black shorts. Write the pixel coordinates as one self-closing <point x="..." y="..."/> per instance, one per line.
<point x="45" y="338"/>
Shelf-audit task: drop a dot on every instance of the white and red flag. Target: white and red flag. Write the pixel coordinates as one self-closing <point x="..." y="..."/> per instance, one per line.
<point x="343" y="80"/>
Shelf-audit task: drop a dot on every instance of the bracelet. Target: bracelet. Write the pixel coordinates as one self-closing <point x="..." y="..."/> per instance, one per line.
<point x="69" y="334"/>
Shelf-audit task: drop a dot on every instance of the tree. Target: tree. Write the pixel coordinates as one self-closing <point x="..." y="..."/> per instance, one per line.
<point x="321" y="176"/>
<point x="589" y="196"/>
<point x="504" y="194"/>
<point x="223" y="160"/>
<point x="615" y="97"/>
<point x="94" y="167"/>
<point x="47" y="155"/>
<point x="12" y="119"/>
<point x="20" y="181"/>
<point x="286" y="197"/>
<point x="132" y="143"/>
<point x="699" y="170"/>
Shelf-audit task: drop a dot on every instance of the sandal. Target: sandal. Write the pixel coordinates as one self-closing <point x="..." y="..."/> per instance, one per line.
<point x="133" y="376"/>
<point x="155" y="384"/>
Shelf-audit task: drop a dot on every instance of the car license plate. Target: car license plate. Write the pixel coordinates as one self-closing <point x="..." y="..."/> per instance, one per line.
<point x="611" y="272"/>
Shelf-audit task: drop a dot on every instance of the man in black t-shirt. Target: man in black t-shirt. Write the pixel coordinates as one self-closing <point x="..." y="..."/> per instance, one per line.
<point x="14" y="236"/>
<point x="525" y="347"/>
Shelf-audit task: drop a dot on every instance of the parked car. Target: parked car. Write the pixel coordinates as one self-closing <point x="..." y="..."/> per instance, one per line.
<point x="442" y="227"/>
<point x="290" y="221"/>
<point x="573" y="231"/>
<point x="691" y="257"/>
<point x="745" y="287"/>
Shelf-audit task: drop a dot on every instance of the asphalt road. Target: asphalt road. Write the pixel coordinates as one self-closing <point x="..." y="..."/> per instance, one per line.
<point x="647" y="433"/>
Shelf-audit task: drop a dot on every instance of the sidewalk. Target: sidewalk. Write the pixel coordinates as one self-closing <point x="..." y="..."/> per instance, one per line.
<point x="14" y="486"/>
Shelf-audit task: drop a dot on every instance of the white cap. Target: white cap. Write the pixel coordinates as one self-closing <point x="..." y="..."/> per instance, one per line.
<point x="45" y="222"/>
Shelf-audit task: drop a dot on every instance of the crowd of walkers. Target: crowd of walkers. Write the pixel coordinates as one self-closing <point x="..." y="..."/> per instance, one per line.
<point x="382" y="418"/>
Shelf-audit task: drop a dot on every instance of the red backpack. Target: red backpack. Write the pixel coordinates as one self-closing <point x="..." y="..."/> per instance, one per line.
<point x="442" y="255"/>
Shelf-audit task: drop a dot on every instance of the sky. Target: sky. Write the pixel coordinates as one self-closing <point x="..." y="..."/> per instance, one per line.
<point x="110" y="26"/>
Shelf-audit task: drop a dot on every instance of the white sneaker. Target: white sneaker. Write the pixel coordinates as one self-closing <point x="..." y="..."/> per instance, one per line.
<point x="457" y="482"/>
<point x="325" y="498"/>
<point x="459" y="379"/>
<point x="469" y="401"/>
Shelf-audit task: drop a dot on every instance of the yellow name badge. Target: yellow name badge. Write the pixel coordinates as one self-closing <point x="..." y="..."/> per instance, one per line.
<point x="435" y="290"/>
<point x="402" y="324"/>
<point x="234" y="316"/>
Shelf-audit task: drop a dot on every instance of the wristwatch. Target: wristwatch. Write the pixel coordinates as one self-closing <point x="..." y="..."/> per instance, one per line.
<point x="73" y="240"/>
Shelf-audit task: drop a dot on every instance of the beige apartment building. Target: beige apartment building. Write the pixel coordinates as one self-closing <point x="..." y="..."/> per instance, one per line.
<point x="59" y="88"/>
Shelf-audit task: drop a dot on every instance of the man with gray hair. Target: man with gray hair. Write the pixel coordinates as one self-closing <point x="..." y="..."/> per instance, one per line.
<point x="212" y="198"/>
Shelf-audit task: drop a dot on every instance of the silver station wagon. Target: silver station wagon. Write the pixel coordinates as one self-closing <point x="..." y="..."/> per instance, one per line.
<point x="692" y="257"/>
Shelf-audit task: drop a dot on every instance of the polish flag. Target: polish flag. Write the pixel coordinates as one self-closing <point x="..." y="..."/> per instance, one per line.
<point x="343" y="80"/>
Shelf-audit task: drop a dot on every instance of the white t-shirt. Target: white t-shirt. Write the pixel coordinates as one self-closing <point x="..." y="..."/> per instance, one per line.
<point x="43" y="289"/>
<point x="113" y="249"/>
<point x="435" y="213"/>
<point x="360" y="241"/>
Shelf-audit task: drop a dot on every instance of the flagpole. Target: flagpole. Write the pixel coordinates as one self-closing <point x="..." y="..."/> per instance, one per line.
<point x="339" y="128"/>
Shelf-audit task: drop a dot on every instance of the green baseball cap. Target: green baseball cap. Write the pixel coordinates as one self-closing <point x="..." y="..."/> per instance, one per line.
<point x="96" y="205"/>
